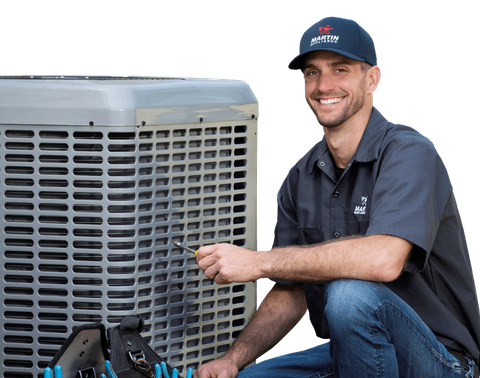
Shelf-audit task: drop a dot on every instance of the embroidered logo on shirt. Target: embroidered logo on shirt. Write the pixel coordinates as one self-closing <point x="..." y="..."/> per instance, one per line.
<point x="361" y="210"/>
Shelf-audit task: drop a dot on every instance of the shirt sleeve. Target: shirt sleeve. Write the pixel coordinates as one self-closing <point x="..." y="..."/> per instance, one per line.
<point x="286" y="227"/>
<point x="411" y="192"/>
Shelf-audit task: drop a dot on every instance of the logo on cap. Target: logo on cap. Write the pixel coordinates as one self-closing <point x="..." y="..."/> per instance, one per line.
<point x="325" y="29"/>
<point x="324" y="39"/>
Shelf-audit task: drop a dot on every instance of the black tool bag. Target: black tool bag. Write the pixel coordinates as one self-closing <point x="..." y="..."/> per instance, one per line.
<point x="130" y="355"/>
<point x="84" y="353"/>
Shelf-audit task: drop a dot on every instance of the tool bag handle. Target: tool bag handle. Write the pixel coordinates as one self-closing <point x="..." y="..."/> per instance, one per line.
<point x="130" y="354"/>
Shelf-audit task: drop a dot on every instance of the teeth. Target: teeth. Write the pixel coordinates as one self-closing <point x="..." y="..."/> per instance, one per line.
<point x="330" y="101"/>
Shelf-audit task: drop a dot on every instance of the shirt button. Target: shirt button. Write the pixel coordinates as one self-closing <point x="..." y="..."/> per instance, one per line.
<point x="322" y="164"/>
<point x="336" y="194"/>
<point x="337" y="234"/>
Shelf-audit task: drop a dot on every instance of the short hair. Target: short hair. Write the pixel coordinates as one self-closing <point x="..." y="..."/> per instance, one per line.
<point x="364" y="65"/>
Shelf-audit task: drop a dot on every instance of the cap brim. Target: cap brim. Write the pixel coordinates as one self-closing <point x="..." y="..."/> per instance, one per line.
<point x="299" y="61"/>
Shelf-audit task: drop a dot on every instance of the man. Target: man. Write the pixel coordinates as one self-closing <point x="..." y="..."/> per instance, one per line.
<point x="368" y="238"/>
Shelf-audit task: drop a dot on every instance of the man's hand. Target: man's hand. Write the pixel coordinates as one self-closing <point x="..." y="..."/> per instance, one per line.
<point x="227" y="263"/>
<point x="281" y="309"/>
<point x="220" y="368"/>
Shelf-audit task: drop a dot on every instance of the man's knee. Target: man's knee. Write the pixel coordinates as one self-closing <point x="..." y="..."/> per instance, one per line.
<point x="347" y="302"/>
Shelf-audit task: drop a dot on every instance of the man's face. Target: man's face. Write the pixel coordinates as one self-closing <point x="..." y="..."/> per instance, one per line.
<point x="335" y="87"/>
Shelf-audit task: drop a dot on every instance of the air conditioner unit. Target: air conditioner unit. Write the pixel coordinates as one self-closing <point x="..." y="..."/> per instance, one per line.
<point x="99" y="176"/>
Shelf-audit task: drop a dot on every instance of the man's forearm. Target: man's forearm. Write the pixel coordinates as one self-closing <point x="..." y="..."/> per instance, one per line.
<point x="373" y="258"/>
<point x="279" y="312"/>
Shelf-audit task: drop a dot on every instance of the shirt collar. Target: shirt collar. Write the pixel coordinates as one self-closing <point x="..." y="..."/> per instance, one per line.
<point x="368" y="148"/>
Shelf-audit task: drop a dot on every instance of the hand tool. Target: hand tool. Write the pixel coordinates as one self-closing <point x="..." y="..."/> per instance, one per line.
<point x="57" y="371"/>
<point x="177" y="244"/>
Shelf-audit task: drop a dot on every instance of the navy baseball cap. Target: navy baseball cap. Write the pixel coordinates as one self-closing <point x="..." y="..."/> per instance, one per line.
<point x="339" y="35"/>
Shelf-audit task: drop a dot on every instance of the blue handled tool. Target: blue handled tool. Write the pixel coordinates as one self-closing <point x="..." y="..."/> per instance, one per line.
<point x="110" y="372"/>
<point x="161" y="371"/>
<point x="158" y="372"/>
<point x="163" y="365"/>
<point x="58" y="371"/>
<point x="47" y="373"/>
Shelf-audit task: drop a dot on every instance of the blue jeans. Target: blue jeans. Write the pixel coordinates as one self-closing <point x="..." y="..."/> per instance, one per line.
<point x="373" y="334"/>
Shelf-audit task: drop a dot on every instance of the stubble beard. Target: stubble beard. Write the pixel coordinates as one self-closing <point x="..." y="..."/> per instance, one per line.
<point x="346" y="113"/>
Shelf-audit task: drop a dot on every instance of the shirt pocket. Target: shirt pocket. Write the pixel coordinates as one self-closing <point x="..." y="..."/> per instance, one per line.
<point x="357" y="227"/>
<point x="309" y="235"/>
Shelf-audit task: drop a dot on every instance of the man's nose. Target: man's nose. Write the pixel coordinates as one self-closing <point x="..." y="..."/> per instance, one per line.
<point x="325" y="83"/>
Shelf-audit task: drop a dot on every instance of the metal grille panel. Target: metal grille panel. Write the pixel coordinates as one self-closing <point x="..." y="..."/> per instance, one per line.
<point x="90" y="215"/>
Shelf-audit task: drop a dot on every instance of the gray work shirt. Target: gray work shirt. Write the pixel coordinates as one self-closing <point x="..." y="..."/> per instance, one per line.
<point x="395" y="184"/>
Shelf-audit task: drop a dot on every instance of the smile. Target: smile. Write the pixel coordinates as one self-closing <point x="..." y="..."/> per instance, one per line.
<point x="330" y="101"/>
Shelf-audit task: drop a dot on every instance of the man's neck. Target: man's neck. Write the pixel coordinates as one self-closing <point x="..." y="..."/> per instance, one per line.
<point x="343" y="140"/>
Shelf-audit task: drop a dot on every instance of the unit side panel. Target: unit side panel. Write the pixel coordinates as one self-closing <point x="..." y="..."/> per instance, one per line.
<point x="89" y="218"/>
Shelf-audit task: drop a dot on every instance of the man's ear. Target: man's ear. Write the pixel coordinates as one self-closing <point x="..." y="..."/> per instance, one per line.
<point x="373" y="78"/>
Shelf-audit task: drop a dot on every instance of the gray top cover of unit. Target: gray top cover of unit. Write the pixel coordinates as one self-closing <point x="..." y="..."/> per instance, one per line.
<point x="122" y="101"/>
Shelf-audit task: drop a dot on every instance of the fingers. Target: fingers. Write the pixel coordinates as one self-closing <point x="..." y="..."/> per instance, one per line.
<point x="210" y="261"/>
<point x="204" y="374"/>
<point x="207" y="257"/>
<point x="206" y="251"/>
<point x="212" y="271"/>
<point x="226" y="263"/>
<point x="216" y="369"/>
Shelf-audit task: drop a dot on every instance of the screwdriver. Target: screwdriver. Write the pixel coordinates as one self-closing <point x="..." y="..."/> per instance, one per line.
<point x="177" y="244"/>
